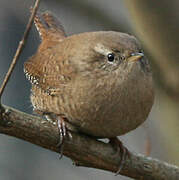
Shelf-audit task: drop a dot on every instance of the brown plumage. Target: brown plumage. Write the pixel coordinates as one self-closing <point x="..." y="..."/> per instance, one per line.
<point x="72" y="77"/>
<point x="100" y="82"/>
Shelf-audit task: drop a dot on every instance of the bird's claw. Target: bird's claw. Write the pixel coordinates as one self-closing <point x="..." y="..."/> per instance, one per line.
<point x="121" y="150"/>
<point x="62" y="132"/>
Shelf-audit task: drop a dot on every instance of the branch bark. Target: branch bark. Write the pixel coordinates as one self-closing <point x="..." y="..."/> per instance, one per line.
<point x="84" y="151"/>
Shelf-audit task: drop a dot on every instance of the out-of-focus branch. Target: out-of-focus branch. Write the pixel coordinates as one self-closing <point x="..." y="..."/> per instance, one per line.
<point x="156" y="24"/>
<point x="83" y="150"/>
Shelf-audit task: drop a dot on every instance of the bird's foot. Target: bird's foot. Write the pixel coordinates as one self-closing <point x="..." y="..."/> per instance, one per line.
<point x="62" y="130"/>
<point x="121" y="150"/>
<point x="63" y="133"/>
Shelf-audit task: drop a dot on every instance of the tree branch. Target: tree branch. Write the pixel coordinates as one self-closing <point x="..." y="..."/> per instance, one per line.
<point x="83" y="150"/>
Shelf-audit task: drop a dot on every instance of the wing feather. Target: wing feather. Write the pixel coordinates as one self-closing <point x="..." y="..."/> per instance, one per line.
<point x="46" y="70"/>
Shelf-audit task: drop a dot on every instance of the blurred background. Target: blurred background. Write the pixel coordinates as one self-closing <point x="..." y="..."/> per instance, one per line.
<point x="154" y="23"/>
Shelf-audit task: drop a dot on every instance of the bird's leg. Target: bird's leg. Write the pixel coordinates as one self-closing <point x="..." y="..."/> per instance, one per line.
<point x="62" y="132"/>
<point x="122" y="150"/>
<point x="61" y="127"/>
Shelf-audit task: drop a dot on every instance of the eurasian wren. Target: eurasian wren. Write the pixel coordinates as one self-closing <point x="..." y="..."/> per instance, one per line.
<point x="99" y="83"/>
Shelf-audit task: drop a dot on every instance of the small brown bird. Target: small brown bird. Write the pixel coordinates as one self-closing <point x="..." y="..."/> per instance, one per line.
<point x="97" y="83"/>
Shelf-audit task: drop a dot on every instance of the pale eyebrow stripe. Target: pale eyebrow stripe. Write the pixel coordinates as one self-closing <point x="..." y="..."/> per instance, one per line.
<point x="101" y="49"/>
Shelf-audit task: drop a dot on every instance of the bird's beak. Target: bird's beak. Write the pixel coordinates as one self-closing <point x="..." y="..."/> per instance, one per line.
<point x="135" y="57"/>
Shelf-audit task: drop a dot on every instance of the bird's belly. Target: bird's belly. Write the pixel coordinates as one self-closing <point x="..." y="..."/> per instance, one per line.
<point x="112" y="114"/>
<point x="112" y="122"/>
<point x="99" y="115"/>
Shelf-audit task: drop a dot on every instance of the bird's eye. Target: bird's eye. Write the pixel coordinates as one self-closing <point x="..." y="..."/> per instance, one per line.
<point x="111" y="57"/>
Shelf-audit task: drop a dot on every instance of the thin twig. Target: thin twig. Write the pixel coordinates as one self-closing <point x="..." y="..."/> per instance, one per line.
<point x="19" y="49"/>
